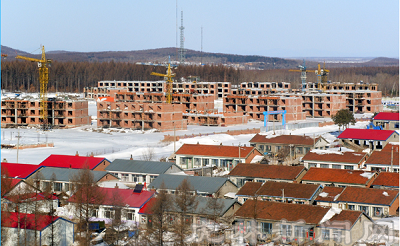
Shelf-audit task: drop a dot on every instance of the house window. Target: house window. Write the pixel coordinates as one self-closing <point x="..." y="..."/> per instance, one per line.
<point x="143" y="220"/>
<point x="286" y="230"/>
<point x="337" y="235"/>
<point x="267" y="147"/>
<point x="240" y="182"/>
<point x="348" y="167"/>
<point x="266" y="228"/>
<point x="57" y="186"/>
<point x="66" y="186"/>
<point x="364" y="209"/>
<point x="206" y="162"/>
<point x="109" y="214"/>
<point x="377" y="211"/>
<point x="124" y="177"/>
<point x="312" y="165"/>
<point x="299" y="150"/>
<point x="197" y="162"/>
<point x="336" y="166"/>
<point x="324" y="165"/>
<point x="214" y="162"/>
<point x="135" y="177"/>
<point x="46" y="185"/>
<point x="352" y="207"/>
<point x="130" y="215"/>
<point x="152" y="177"/>
<point x="299" y="232"/>
<point x="262" y="148"/>
<point x="95" y="213"/>
<point x="325" y="234"/>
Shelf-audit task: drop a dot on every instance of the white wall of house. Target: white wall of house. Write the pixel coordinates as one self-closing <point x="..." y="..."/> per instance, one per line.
<point x="333" y="165"/>
<point x="373" y="211"/>
<point x="128" y="214"/>
<point x="189" y="162"/>
<point x="385" y="168"/>
<point x="63" y="233"/>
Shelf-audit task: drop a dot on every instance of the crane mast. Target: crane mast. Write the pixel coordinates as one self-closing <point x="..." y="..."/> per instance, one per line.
<point x="43" y="65"/>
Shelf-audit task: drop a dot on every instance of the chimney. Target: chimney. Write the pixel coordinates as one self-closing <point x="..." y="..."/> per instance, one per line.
<point x="76" y="154"/>
<point x="5" y="160"/>
<point x="116" y="185"/>
<point x="131" y="157"/>
<point x="91" y="154"/>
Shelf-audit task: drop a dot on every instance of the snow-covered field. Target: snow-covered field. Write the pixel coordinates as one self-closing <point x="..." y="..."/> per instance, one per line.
<point x="122" y="143"/>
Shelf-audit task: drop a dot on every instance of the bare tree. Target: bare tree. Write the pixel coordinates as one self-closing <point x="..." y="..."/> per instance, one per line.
<point x="185" y="203"/>
<point x="148" y="154"/>
<point x="86" y="198"/>
<point x="283" y="153"/>
<point x="116" y="202"/>
<point x="160" y="216"/>
<point x="215" y="207"/>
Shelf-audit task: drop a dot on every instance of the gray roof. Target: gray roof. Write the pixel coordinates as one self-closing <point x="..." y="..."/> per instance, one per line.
<point x="200" y="184"/>
<point x="66" y="174"/>
<point x="203" y="206"/>
<point x="135" y="166"/>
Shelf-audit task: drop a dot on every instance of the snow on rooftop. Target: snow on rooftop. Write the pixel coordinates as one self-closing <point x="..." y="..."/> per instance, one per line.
<point x="257" y="159"/>
<point x="322" y="152"/>
<point x="112" y="184"/>
<point x="367" y="175"/>
<point x="385" y="193"/>
<point x="323" y="194"/>
<point x="332" y="211"/>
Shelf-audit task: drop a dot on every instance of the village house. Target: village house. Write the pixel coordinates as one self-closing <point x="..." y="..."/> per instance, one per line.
<point x="299" y="145"/>
<point x="61" y="179"/>
<point x="282" y="222"/>
<point x="386" y="180"/>
<point x="388" y="120"/>
<point x="203" y="186"/>
<point x="18" y="170"/>
<point x="44" y="228"/>
<point x="360" y="139"/>
<point x="136" y="171"/>
<point x="334" y="159"/>
<point x="386" y="161"/>
<point x="376" y="203"/>
<point x="29" y="202"/>
<point x="344" y="228"/>
<point x="338" y="177"/>
<point x="76" y="161"/>
<point x="191" y="156"/>
<point x="202" y="215"/>
<point x="244" y="172"/>
<point x="279" y="192"/>
<point x="124" y="203"/>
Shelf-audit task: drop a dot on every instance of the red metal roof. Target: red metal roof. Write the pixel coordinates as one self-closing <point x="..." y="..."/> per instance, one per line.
<point x="387" y="116"/>
<point x="366" y="134"/>
<point x="17" y="170"/>
<point x="330" y="175"/>
<point x="146" y="209"/>
<point x="214" y="150"/>
<point x="27" y="221"/>
<point x="72" y="161"/>
<point x="113" y="196"/>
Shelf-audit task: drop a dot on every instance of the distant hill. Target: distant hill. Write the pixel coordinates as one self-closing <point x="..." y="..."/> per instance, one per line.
<point x="252" y="62"/>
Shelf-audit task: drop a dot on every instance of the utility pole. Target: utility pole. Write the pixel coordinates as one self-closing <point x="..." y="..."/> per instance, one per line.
<point x="174" y="140"/>
<point x="391" y="161"/>
<point x="18" y="144"/>
<point x="283" y="195"/>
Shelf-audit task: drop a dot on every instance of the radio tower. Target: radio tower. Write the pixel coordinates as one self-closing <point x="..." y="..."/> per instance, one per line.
<point x="182" y="48"/>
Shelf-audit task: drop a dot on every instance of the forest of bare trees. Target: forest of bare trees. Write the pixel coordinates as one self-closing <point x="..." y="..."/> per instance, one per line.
<point x="74" y="76"/>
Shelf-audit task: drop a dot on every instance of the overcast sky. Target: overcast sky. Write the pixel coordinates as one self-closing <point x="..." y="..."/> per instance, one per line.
<point x="310" y="28"/>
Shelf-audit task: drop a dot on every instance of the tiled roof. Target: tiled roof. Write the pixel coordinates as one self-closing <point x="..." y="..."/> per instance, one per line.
<point x="388" y="148"/>
<point x="344" y="215"/>
<point x="136" y="166"/>
<point x="387" y="116"/>
<point x="383" y="158"/>
<point x="278" y="211"/>
<point x="344" y="157"/>
<point x="368" y="195"/>
<point x="330" y="175"/>
<point x="72" y="161"/>
<point x="214" y="150"/>
<point x="249" y="189"/>
<point x="18" y="170"/>
<point x="122" y="197"/>
<point x="329" y="193"/>
<point x="267" y="171"/>
<point x="291" y="190"/>
<point x="387" y="179"/>
<point x="27" y="221"/>
<point x="366" y="134"/>
<point x="284" y="139"/>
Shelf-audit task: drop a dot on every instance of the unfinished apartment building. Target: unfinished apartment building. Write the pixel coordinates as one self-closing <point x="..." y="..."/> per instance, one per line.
<point x="322" y="105"/>
<point x="140" y="116"/>
<point x="105" y="88"/>
<point x="254" y="106"/>
<point x="216" y="119"/>
<point x="60" y="113"/>
<point x="260" y="88"/>
<point x="191" y="103"/>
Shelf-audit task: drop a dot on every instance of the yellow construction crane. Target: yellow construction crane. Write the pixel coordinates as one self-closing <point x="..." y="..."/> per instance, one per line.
<point x="322" y="77"/>
<point x="43" y="65"/>
<point x="303" y="75"/>
<point x="169" y="76"/>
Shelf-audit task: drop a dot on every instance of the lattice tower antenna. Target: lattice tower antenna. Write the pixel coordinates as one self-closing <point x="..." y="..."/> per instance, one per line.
<point x="182" y="48"/>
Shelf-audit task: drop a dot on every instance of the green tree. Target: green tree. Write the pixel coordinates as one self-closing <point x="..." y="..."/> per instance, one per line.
<point x="343" y="118"/>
